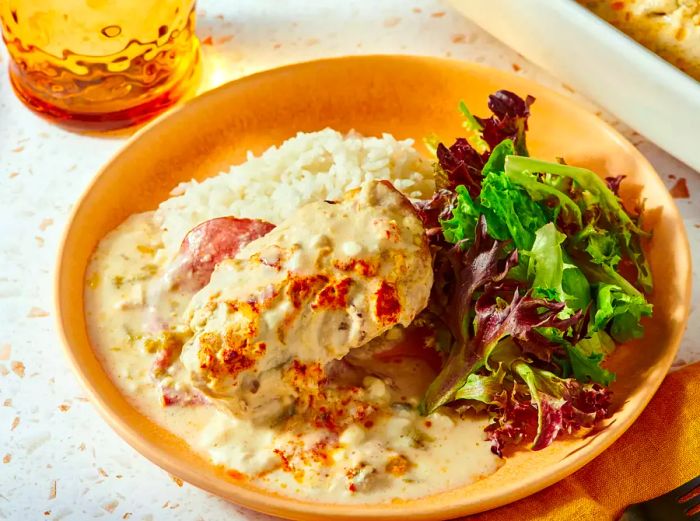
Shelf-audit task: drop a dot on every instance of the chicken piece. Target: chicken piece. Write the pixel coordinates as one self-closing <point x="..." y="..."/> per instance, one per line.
<point x="330" y="278"/>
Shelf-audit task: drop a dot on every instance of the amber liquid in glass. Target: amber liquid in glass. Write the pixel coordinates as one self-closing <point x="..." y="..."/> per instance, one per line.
<point x="100" y="64"/>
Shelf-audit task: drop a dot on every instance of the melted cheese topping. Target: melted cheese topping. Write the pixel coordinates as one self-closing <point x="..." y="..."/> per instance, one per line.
<point x="294" y="295"/>
<point x="356" y="442"/>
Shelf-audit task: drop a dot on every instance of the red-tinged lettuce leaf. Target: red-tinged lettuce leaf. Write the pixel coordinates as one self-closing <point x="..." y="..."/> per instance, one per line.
<point x="514" y="423"/>
<point x="547" y="407"/>
<point x="435" y="210"/>
<point x="613" y="183"/>
<point x="482" y="263"/>
<point x="509" y="120"/>
<point x="459" y="274"/>
<point x="519" y="319"/>
<point x="462" y="165"/>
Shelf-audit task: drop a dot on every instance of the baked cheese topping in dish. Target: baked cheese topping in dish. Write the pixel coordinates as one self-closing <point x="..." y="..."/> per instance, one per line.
<point x="669" y="28"/>
<point x="294" y="352"/>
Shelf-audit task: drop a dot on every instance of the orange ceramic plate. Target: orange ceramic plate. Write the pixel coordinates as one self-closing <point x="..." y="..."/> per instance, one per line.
<point x="408" y="97"/>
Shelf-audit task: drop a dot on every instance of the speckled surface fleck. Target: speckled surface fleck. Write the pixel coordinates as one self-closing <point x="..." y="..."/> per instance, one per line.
<point x="59" y="460"/>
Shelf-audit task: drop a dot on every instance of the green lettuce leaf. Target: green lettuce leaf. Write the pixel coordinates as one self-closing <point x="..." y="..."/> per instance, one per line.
<point x="546" y="266"/>
<point x="601" y="245"/>
<point x="496" y="162"/>
<point x="552" y="276"/>
<point x="539" y="191"/>
<point x="620" y="311"/>
<point x="465" y="215"/>
<point x="577" y="290"/>
<point x="510" y="212"/>
<point x="586" y="366"/>
<point x="483" y="388"/>
<point x="597" y="342"/>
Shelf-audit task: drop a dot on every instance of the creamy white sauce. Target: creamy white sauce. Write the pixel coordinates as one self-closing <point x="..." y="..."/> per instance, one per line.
<point x="399" y="455"/>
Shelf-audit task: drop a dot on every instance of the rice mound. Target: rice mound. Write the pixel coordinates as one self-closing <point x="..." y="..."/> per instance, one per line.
<point x="308" y="167"/>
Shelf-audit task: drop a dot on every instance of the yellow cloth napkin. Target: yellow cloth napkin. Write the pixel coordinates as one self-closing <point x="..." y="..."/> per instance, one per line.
<point x="658" y="453"/>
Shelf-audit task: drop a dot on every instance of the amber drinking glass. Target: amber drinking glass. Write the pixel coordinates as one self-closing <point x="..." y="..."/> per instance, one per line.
<point x="100" y="64"/>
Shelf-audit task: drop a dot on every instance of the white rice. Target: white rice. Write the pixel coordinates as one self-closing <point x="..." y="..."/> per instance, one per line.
<point x="308" y="167"/>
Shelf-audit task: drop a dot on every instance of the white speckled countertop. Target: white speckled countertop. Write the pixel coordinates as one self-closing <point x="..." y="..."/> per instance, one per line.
<point x="59" y="459"/>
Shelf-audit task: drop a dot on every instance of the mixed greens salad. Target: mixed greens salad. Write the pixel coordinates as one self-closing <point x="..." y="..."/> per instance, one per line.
<point x="539" y="274"/>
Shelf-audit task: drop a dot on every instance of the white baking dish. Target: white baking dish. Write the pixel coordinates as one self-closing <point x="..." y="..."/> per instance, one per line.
<point x="643" y="90"/>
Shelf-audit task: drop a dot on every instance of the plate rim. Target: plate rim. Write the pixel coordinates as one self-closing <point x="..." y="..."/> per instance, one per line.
<point x="295" y="508"/>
